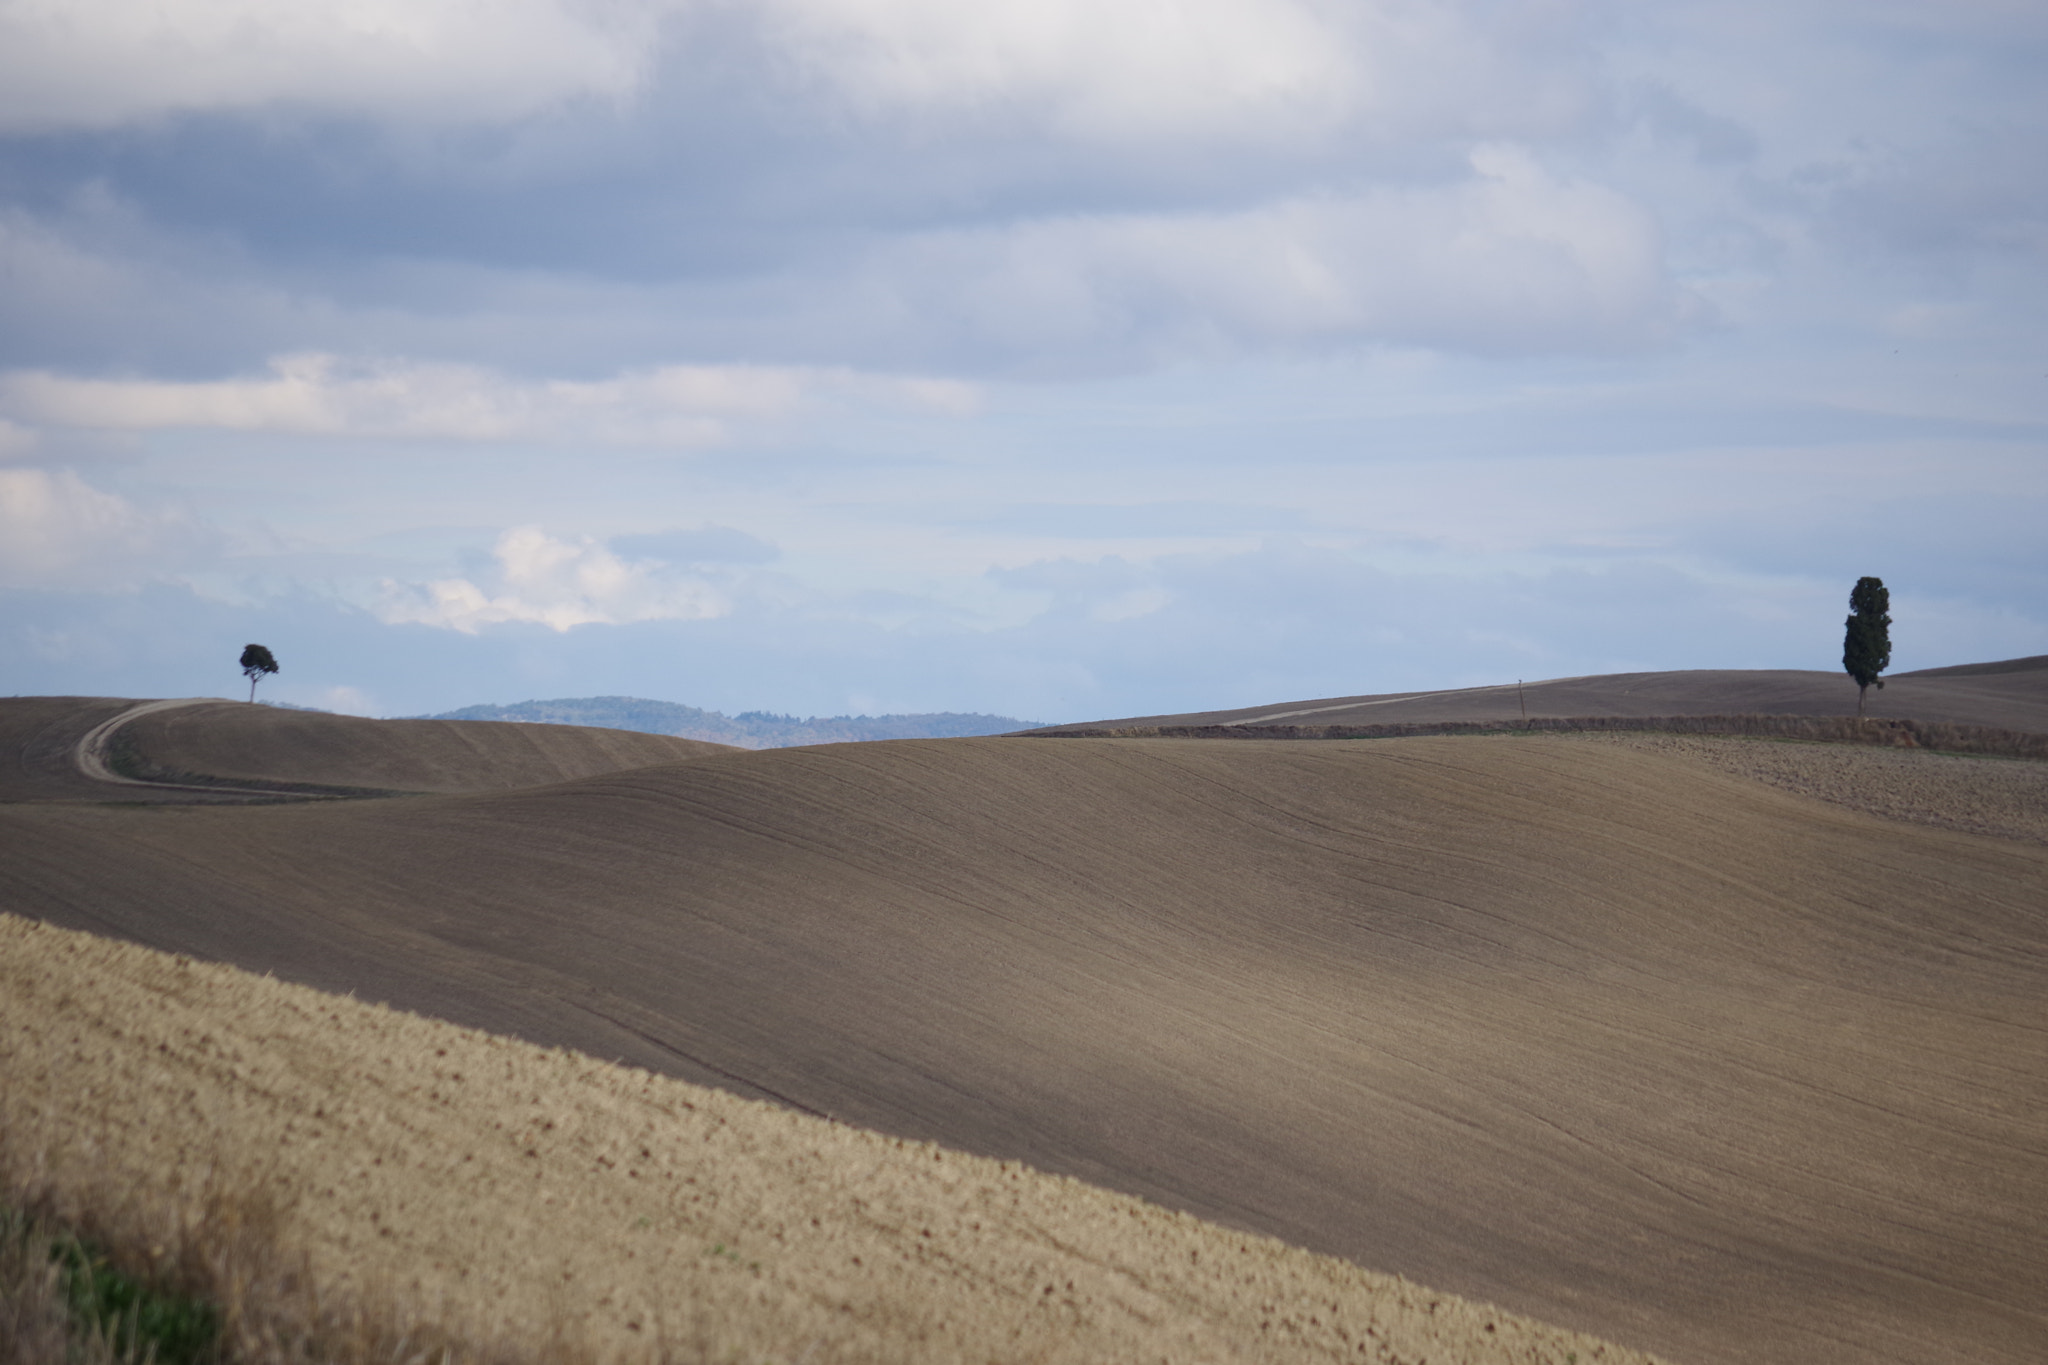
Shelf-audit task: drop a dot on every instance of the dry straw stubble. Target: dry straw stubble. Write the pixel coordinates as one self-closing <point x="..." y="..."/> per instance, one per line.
<point x="338" y="1171"/>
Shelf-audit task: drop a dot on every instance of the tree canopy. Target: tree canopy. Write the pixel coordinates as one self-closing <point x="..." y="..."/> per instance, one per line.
<point x="257" y="662"/>
<point x="1867" y="643"/>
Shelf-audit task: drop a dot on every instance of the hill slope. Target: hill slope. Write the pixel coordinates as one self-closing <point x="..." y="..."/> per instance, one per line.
<point x="229" y="740"/>
<point x="1599" y="1034"/>
<point x="235" y="742"/>
<point x="2008" y="695"/>
<point x="441" y="1178"/>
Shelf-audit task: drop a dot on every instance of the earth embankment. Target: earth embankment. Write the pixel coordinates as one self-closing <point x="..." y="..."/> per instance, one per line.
<point x="1600" y="1034"/>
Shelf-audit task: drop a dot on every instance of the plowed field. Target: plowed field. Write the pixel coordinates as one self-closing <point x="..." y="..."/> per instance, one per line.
<point x="1606" y="1035"/>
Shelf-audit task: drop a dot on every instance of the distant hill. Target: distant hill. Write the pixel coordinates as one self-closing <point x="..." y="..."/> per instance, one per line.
<point x="748" y="730"/>
<point x="2007" y="694"/>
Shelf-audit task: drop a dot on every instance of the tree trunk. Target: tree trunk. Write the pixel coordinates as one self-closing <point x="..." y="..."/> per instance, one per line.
<point x="252" y="697"/>
<point x="1861" y="688"/>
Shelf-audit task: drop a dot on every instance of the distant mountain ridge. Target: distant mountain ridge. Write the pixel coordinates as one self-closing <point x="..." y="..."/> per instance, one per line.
<point x="748" y="730"/>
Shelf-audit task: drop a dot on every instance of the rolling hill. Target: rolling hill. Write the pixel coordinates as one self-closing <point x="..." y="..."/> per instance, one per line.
<point x="2011" y="694"/>
<point x="183" y="751"/>
<point x="1600" y="1033"/>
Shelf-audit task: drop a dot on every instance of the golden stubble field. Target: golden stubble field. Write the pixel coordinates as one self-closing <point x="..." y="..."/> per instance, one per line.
<point x="542" y="1199"/>
<point x="1617" y="1036"/>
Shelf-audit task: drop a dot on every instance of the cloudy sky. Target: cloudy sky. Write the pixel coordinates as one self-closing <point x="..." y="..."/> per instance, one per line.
<point x="1038" y="357"/>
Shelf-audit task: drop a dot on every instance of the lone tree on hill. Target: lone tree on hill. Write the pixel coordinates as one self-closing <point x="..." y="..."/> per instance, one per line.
<point x="1867" y="647"/>
<point x="258" y="661"/>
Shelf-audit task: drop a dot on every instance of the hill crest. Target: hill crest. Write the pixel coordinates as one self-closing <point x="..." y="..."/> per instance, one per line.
<point x="2011" y="694"/>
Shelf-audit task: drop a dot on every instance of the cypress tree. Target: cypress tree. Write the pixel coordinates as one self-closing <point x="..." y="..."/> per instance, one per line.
<point x="1867" y="647"/>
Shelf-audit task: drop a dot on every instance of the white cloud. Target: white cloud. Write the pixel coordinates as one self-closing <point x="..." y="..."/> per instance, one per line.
<point x="57" y="531"/>
<point x="1512" y="259"/>
<point x="1230" y="71"/>
<point x="15" y="440"/>
<point x="1127" y="69"/>
<point x="72" y="63"/>
<point x="349" y="701"/>
<point x="1132" y="67"/>
<point x="1131" y="71"/>
<point x="1130" y="605"/>
<point x="556" y="583"/>
<point x="318" y="394"/>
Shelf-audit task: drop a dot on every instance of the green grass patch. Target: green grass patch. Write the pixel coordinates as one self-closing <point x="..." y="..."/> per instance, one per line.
<point x="138" y="1321"/>
<point x="105" y="1307"/>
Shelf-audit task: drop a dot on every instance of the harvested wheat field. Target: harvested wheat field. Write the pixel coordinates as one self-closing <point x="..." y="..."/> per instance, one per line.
<point x="1607" y="1034"/>
<point x="537" y="1197"/>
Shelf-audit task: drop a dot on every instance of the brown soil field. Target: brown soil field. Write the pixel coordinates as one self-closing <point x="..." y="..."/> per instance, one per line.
<point x="1600" y="1032"/>
<point x="2008" y="799"/>
<point x="550" y="1204"/>
<point x="235" y="741"/>
<point x="2007" y="695"/>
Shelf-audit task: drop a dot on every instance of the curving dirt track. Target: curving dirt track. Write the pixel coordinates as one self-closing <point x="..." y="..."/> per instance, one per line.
<point x="1598" y="1033"/>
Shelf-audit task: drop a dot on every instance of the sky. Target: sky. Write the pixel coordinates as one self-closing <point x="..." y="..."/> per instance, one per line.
<point x="1033" y="357"/>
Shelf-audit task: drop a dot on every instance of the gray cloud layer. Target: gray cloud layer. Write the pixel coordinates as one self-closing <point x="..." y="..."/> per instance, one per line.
<point x="1047" y="186"/>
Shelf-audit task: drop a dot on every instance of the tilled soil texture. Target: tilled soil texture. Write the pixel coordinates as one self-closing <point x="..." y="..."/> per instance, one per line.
<point x="235" y="740"/>
<point x="542" y="1199"/>
<point x="2001" y="797"/>
<point x="2010" y="695"/>
<point x="1600" y="1034"/>
<point x="203" y="742"/>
